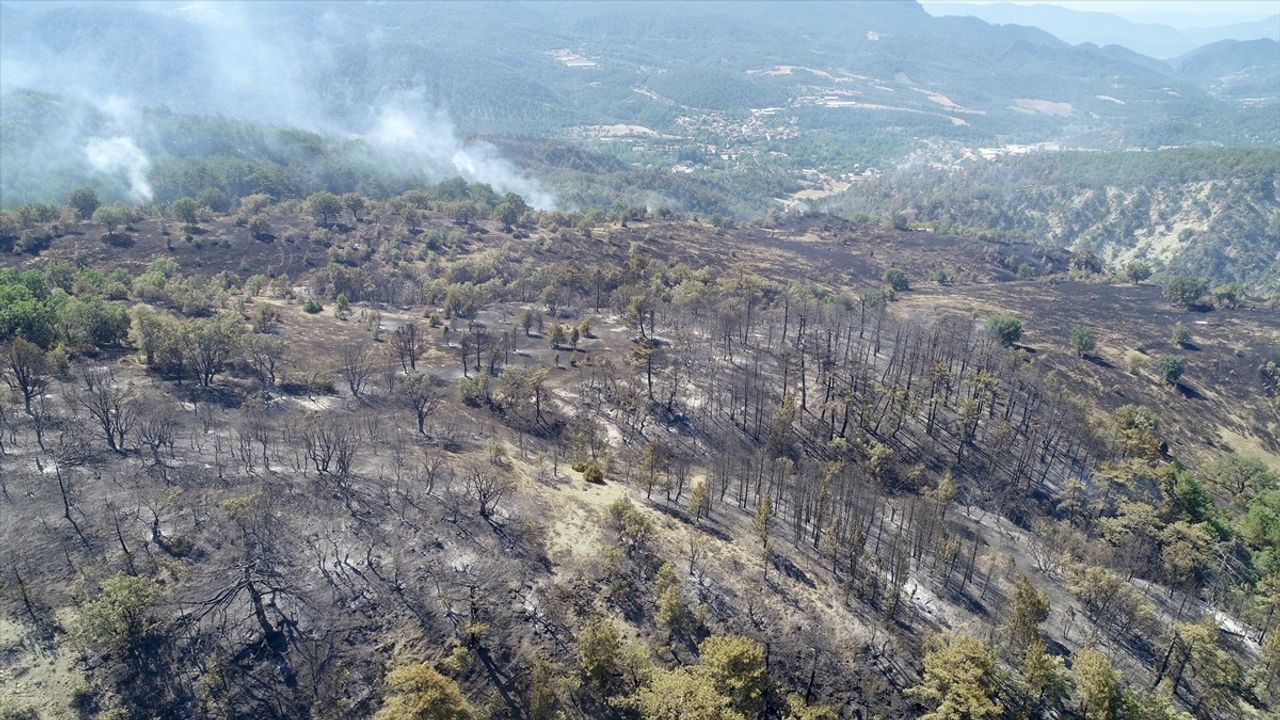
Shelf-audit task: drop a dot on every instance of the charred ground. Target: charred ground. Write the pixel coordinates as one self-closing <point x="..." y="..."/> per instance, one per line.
<point x="601" y="397"/>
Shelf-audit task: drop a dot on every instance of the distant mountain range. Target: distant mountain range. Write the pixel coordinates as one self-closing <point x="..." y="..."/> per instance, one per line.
<point x="1246" y="71"/>
<point x="1075" y="26"/>
<point x="774" y="76"/>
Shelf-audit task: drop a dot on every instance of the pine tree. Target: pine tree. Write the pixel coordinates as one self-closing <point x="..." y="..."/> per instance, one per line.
<point x="683" y="694"/>
<point x="735" y="667"/>
<point x="764" y="513"/>
<point x="598" y="648"/>
<point x="1030" y="608"/>
<point x="1097" y="684"/>
<point x="1043" y="678"/>
<point x="670" y="601"/>
<point x="700" y="501"/>
<point x="419" y="692"/>
<point x="960" y="680"/>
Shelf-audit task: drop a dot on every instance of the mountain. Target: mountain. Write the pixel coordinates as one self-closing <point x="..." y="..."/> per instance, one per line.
<point x="1209" y="211"/>
<point x="1257" y="29"/>
<point x="855" y="71"/>
<point x="1076" y="27"/>
<point x="1246" y="71"/>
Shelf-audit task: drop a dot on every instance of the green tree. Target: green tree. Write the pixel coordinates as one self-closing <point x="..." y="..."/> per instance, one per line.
<point x="506" y="214"/>
<point x="111" y="217"/>
<point x="1171" y="368"/>
<point x="260" y="228"/>
<point x="1006" y="328"/>
<point x="896" y="278"/>
<point x="671" y="610"/>
<point x="84" y="201"/>
<point x="683" y="694"/>
<point x="1185" y="290"/>
<point x="634" y="528"/>
<point x="798" y="709"/>
<point x="213" y="199"/>
<point x="700" y="501"/>
<point x="186" y="210"/>
<point x="1135" y="429"/>
<point x="735" y="666"/>
<point x="1195" y="653"/>
<point x="354" y="203"/>
<point x="1137" y="271"/>
<point x="26" y="314"/>
<point x="761" y="522"/>
<point x="1181" y="335"/>
<point x="959" y="680"/>
<point x="89" y="322"/>
<point x="1043" y="679"/>
<point x="1241" y="475"/>
<point x="556" y="335"/>
<point x="945" y="493"/>
<point x="324" y="206"/>
<point x="544" y="691"/>
<point x="117" y="616"/>
<point x="1145" y="705"/>
<point x="420" y="692"/>
<point x="599" y="648"/>
<point x="1084" y="340"/>
<point x="1186" y="553"/>
<point x="1227" y="295"/>
<point x="1097" y="685"/>
<point x="1030" y="608"/>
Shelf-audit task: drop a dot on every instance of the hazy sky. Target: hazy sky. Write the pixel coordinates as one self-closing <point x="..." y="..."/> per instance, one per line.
<point x="1178" y="13"/>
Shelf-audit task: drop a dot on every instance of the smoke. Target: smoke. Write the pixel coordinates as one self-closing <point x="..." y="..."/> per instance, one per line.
<point x="279" y="65"/>
<point x="120" y="156"/>
<point x="428" y="142"/>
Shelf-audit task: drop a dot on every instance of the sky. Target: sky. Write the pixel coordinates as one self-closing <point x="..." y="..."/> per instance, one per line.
<point x="1178" y="13"/>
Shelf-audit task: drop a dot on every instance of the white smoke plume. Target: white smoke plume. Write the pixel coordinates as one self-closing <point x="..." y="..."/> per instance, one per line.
<point x="120" y="156"/>
<point x="430" y="141"/>
<point x="263" y="62"/>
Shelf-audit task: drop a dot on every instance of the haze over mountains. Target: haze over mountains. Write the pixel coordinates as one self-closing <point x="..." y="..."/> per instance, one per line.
<point x="1158" y="40"/>
<point x="548" y="67"/>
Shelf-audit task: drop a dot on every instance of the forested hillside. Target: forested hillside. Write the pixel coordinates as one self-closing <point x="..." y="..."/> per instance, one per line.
<point x="1211" y="211"/>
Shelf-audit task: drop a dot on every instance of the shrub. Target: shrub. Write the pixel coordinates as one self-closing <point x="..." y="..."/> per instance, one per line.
<point x="593" y="472"/>
<point x="84" y="201"/>
<point x="1083" y="340"/>
<point x="1006" y="328"/>
<point x="112" y="216"/>
<point x="1171" y="368"/>
<point x="312" y="306"/>
<point x="1137" y="271"/>
<point x="897" y="279"/>
<point x="1227" y="295"/>
<point x="1185" y="290"/>
<point x="214" y="199"/>
<point x="260" y="228"/>
<point x="1181" y="335"/>
<point x="117" y="617"/>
